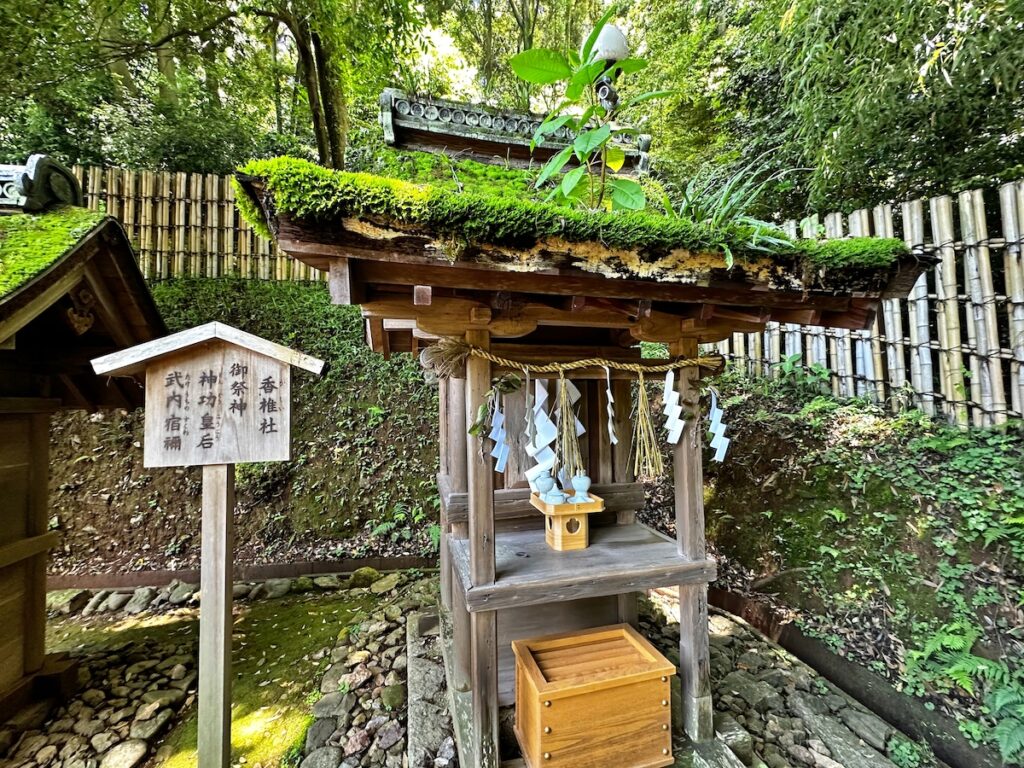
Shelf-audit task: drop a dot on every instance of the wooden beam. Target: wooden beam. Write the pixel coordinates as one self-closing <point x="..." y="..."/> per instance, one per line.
<point x="344" y="290"/>
<point x="422" y="271"/>
<point x="25" y="314"/>
<point x="694" y="653"/>
<point x="510" y="503"/>
<point x="215" y="622"/>
<point x="9" y="343"/>
<point x="108" y="310"/>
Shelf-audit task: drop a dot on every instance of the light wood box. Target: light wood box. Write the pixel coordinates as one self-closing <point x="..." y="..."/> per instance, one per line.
<point x="596" y="698"/>
<point x="567" y="526"/>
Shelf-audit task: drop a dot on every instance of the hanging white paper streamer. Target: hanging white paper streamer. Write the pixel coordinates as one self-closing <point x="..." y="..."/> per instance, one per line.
<point x="499" y="435"/>
<point x="673" y="409"/>
<point x="717" y="429"/>
<point x="611" y="407"/>
<point x="545" y="432"/>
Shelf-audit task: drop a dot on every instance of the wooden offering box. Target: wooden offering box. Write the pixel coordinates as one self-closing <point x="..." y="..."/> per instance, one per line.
<point x="566" y="527"/>
<point x="593" y="699"/>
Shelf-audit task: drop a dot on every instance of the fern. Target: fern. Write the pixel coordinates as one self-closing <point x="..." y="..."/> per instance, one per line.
<point x="1009" y="735"/>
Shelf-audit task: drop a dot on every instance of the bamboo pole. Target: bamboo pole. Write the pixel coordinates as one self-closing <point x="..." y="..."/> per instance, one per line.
<point x="921" y="375"/>
<point x="892" y="317"/>
<point x="841" y="347"/>
<point x="180" y="225"/>
<point x="1011" y="203"/>
<point x="982" y="296"/>
<point x="951" y="360"/>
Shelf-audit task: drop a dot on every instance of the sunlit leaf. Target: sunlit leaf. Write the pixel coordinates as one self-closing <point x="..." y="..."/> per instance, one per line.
<point x="571" y="179"/>
<point x="614" y="158"/>
<point x="626" y="194"/>
<point x="541" y="66"/>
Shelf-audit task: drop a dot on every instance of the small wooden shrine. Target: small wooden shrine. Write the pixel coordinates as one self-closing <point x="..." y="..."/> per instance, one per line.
<point x="70" y="288"/>
<point x="519" y="284"/>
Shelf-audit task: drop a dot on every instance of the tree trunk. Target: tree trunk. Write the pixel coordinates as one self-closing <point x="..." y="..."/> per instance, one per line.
<point x="333" y="95"/>
<point x="311" y="80"/>
<point x="167" y="85"/>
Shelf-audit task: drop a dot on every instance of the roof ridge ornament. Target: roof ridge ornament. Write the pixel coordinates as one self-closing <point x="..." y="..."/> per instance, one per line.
<point x="40" y="184"/>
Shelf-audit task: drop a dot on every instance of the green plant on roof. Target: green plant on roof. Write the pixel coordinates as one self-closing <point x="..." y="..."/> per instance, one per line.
<point x="588" y="111"/>
<point x="726" y="202"/>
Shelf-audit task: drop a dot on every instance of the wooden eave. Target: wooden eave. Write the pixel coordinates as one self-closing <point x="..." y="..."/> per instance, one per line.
<point x="410" y="291"/>
<point x="96" y="284"/>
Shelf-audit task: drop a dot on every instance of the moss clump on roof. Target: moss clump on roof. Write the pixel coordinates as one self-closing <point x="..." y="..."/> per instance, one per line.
<point x="30" y="243"/>
<point x="305" y="190"/>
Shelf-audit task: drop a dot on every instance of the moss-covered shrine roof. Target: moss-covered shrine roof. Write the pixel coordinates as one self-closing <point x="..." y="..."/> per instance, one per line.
<point x="470" y="204"/>
<point x="31" y="243"/>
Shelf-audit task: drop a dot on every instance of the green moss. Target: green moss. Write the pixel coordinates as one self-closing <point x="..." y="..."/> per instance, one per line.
<point x="274" y="677"/>
<point x="859" y="252"/>
<point x="483" y="213"/>
<point x="29" y="244"/>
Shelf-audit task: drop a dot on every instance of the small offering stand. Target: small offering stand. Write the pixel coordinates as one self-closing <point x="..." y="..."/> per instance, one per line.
<point x="566" y="527"/>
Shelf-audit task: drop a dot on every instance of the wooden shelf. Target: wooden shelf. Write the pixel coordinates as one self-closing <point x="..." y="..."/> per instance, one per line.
<point x="620" y="558"/>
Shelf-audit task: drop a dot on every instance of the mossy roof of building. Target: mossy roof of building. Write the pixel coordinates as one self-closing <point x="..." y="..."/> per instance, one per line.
<point x="491" y="204"/>
<point x="31" y="243"/>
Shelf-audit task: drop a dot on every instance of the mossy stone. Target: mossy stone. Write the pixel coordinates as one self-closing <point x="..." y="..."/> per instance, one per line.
<point x="393" y="696"/>
<point x="363" y="577"/>
<point x="302" y="584"/>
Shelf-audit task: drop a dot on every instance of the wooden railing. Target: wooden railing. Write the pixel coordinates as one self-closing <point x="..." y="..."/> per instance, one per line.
<point x="955" y="346"/>
<point x="186" y="225"/>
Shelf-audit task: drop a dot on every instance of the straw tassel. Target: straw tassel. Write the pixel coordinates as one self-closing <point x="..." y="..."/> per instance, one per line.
<point x="567" y="448"/>
<point x="647" y="461"/>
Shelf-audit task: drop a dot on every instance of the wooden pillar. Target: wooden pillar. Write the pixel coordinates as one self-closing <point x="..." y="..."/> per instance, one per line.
<point x="694" y="656"/>
<point x="483" y="624"/>
<point x="37" y="524"/>
<point x="215" y="616"/>
<point x="457" y="457"/>
<point x="444" y="427"/>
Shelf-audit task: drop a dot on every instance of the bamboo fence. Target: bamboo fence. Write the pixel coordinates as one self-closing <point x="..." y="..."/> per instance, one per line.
<point x="955" y="346"/>
<point x="186" y="225"/>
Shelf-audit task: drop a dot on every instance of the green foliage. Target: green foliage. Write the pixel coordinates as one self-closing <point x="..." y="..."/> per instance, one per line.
<point x="590" y="119"/>
<point x="303" y="189"/>
<point x="30" y="243"/>
<point x="905" y="532"/>
<point x="880" y="105"/>
<point x="905" y="753"/>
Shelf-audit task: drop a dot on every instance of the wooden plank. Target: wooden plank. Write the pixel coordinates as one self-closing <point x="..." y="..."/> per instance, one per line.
<point x="620" y="558"/>
<point x="694" y="653"/>
<point x="343" y="289"/>
<point x="19" y="318"/>
<point x="982" y="295"/>
<point x="215" y="623"/>
<point x="24" y="549"/>
<point x="1011" y="204"/>
<point x="950" y="356"/>
<point x="510" y="503"/>
<point x="917" y="304"/>
<point x="134" y="360"/>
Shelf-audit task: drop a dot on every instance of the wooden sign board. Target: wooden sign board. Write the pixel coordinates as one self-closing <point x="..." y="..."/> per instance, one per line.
<point x="217" y="403"/>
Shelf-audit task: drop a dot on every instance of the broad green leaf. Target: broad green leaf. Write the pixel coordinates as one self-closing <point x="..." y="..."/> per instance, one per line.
<point x="553" y="166"/>
<point x="588" y="44"/>
<point x="649" y="96"/>
<point x="583" y="77"/>
<point x="541" y="66"/>
<point x="550" y="125"/>
<point x="626" y="194"/>
<point x="629" y="66"/>
<point x="571" y="179"/>
<point x="614" y="158"/>
<point x="588" y="141"/>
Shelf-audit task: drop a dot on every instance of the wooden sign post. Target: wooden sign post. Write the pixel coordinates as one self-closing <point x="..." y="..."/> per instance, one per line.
<point x="215" y="396"/>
